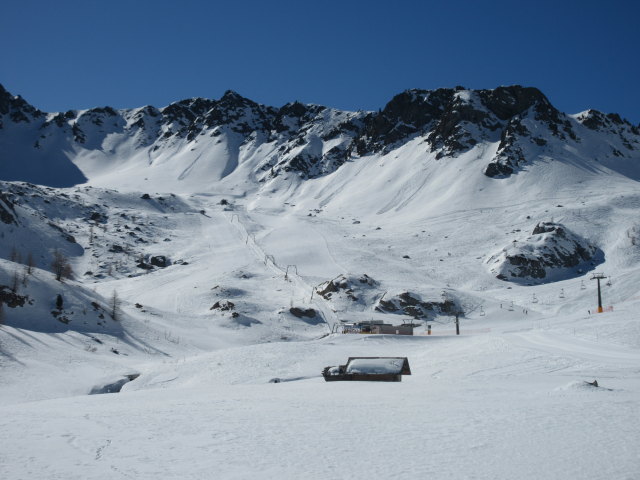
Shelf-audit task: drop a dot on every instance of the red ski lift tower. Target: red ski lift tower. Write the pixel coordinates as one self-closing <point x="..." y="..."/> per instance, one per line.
<point x="598" y="277"/>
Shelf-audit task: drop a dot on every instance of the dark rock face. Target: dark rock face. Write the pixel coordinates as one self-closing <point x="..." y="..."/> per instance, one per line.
<point x="507" y="102"/>
<point x="307" y="315"/>
<point x="612" y="125"/>
<point x="98" y="217"/>
<point x="17" y="108"/>
<point x="496" y="169"/>
<point x="523" y="108"/>
<point x="455" y="120"/>
<point x="159" y="261"/>
<point x="450" y="120"/>
<point x="301" y="312"/>
<point x="552" y="250"/>
<point x="408" y="303"/>
<point x="223" y="306"/>
<point x="347" y="286"/>
<point x="5" y="101"/>
<point x="7" y="211"/>
<point x="408" y="113"/>
<point x="525" y="267"/>
<point x="11" y="299"/>
<point x="509" y="155"/>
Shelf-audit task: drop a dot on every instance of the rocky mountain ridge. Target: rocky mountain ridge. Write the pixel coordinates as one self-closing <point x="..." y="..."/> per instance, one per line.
<point x="311" y="140"/>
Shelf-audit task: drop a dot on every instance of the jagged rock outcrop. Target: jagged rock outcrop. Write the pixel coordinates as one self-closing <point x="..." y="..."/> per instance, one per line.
<point x="223" y="305"/>
<point x="347" y="286"/>
<point x="310" y="141"/>
<point x="7" y="211"/>
<point x="412" y="304"/>
<point x="347" y="292"/>
<point x="525" y="110"/>
<point x="16" y="108"/>
<point x="552" y="252"/>
<point x="614" y="127"/>
<point x="10" y="298"/>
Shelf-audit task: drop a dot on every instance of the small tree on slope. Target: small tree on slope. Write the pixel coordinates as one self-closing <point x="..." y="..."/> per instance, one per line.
<point x="114" y="306"/>
<point x="60" y="266"/>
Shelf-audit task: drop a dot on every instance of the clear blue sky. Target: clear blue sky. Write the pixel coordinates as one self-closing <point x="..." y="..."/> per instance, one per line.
<point x="72" y="54"/>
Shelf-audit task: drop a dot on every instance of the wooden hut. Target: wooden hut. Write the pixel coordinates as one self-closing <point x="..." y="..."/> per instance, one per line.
<point x="369" y="369"/>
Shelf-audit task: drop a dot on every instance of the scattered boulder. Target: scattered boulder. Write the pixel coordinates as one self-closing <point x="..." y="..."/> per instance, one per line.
<point x="307" y="315"/>
<point x="98" y="217"/>
<point x="300" y="312"/>
<point x="159" y="261"/>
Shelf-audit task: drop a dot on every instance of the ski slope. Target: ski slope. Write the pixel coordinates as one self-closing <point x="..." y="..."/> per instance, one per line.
<point x="206" y="336"/>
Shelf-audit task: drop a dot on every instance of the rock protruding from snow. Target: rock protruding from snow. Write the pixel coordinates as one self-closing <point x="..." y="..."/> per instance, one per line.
<point x="613" y="126"/>
<point x="7" y="211"/>
<point x="348" y="294"/>
<point x="10" y="298"/>
<point x="527" y="133"/>
<point x="345" y="290"/>
<point x="160" y="261"/>
<point x="16" y="108"/>
<point x="308" y="141"/>
<point x="307" y="315"/>
<point x="551" y="253"/>
<point x="412" y="304"/>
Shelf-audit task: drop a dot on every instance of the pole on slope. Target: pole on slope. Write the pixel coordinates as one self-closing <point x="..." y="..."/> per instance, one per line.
<point x="457" y="323"/>
<point x="598" y="277"/>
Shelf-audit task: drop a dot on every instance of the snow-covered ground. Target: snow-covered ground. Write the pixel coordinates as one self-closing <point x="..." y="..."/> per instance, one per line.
<point x="507" y="398"/>
<point x="511" y="402"/>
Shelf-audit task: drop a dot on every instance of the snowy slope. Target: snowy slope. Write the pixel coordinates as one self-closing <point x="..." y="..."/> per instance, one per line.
<point x="220" y="224"/>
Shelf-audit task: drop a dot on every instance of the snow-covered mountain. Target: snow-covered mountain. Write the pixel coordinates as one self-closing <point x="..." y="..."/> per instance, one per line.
<point x="200" y="141"/>
<point x="214" y="247"/>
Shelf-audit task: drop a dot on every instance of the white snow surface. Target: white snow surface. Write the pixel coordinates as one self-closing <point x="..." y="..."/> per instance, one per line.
<point x="506" y="399"/>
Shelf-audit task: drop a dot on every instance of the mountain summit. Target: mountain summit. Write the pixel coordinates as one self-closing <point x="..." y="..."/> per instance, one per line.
<point x="202" y="140"/>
